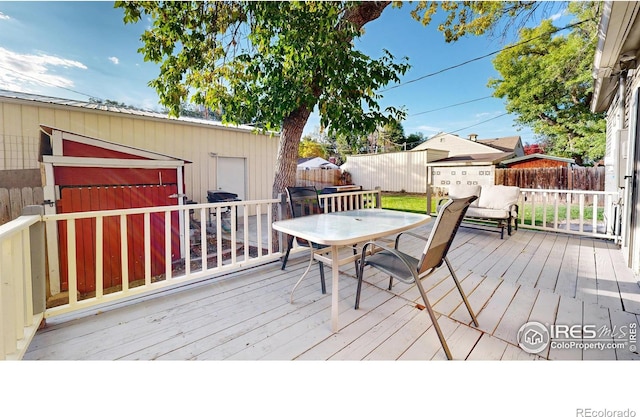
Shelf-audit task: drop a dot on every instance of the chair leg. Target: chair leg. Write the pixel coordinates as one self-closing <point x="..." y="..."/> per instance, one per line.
<point x="464" y="297"/>
<point x="286" y="255"/>
<point x="322" y="282"/>
<point x="359" y="274"/>
<point x="427" y="305"/>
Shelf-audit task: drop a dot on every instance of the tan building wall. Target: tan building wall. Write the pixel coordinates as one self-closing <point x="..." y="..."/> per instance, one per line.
<point x="200" y="142"/>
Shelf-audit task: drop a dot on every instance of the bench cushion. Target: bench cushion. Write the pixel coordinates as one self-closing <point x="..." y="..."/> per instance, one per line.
<point x="486" y="213"/>
<point x="499" y="197"/>
<point x="461" y="191"/>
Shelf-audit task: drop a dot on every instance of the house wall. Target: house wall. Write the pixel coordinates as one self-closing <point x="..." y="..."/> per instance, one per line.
<point x="195" y="142"/>
<point x="395" y="171"/>
<point x="622" y="158"/>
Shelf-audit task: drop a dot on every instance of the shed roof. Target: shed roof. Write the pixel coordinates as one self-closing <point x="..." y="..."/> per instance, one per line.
<point x="538" y="156"/>
<point x="115" y="109"/>
<point x="473" y="159"/>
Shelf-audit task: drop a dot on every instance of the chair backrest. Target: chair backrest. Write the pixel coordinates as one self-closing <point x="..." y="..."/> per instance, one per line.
<point x="443" y="232"/>
<point x="303" y="201"/>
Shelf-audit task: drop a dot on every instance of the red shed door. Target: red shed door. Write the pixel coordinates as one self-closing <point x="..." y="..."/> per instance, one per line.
<point x="77" y="199"/>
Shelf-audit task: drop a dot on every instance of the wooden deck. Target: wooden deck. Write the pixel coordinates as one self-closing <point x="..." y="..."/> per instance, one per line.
<point x="546" y="277"/>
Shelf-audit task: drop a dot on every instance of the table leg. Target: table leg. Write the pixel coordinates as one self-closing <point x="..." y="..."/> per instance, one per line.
<point x="335" y="271"/>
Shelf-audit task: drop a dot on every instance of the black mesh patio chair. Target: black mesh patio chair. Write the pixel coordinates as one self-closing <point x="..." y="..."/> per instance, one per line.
<point x="304" y="201"/>
<point x="410" y="270"/>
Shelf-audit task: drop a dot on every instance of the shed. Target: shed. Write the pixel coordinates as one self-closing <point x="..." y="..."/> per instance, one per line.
<point x="237" y="159"/>
<point x="88" y="174"/>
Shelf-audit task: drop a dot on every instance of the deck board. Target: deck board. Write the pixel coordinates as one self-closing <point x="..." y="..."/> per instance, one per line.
<point x="529" y="276"/>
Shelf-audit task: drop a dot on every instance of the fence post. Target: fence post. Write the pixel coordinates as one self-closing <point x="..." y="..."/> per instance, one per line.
<point x="378" y="197"/>
<point x="38" y="262"/>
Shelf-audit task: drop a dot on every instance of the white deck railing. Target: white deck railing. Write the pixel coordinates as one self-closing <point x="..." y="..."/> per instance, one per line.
<point x="211" y="241"/>
<point x="246" y="240"/>
<point x="18" y="320"/>
<point x="586" y="213"/>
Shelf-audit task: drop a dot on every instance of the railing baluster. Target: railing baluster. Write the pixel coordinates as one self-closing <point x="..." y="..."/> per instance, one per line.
<point x="203" y="240"/>
<point x="594" y="215"/>
<point x="167" y="246"/>
<point x="555" y="210"/>
<point x="184" y="215"/>
<point x="99" y="256"/>
<point x="147" y="249"/>
<point x="72" y="272"/>
<point x="545" y="201"/>
<point x="124" y="252"/>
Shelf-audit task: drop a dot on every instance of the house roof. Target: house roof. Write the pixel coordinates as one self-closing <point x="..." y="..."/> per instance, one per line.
<point x="473" y="159"/>
<point x="618" y="43"/>
<point x="506" y="144"/>
<point x="114" y="109"/>
<point x="538" y="156"/>
<point x="457" y="145"/>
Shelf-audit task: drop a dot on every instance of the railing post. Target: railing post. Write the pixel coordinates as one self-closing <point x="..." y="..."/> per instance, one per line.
<point x="282" y="207"/>
<point x="379" y="197"/>
<point x="38" y="262"/>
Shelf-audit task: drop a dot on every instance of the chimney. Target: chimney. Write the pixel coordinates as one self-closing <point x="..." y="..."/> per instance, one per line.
<point x="473" y="137"/>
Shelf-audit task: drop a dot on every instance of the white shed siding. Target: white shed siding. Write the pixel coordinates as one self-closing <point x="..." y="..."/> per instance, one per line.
<point x="443" y="176"/>
<point x="20" y="135"/>
<point x="397" y="171"/>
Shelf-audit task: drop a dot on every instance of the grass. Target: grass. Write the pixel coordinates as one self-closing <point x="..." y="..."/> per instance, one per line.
<point x="416" y="203"/>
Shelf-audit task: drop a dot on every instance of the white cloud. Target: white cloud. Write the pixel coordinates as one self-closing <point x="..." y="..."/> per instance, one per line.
<point x="557" y="16"/>
<point x="4" y="16"/>
<point x="114" y="59"/>
<point x="18" y="71"/>
<point x="431" y="129"/>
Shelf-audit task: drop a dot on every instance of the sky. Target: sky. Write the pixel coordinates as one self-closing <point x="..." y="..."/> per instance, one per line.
<point x="79" y="50"/>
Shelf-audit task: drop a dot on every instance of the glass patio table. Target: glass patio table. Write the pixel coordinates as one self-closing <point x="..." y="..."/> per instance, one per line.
<point x="346" y="228"/>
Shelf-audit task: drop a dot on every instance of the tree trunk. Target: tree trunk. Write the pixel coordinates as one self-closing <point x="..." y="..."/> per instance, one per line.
<point x="287" y="155"/>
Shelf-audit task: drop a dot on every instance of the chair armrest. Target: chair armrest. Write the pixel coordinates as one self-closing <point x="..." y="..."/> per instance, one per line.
<point x="415" y="235"/>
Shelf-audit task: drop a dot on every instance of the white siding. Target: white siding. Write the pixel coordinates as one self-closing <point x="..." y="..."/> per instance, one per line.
<point x="397" y="171"/>
<point x="443" y="176"/>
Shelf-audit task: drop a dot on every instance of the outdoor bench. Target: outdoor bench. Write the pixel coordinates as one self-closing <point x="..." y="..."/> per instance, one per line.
<point x="497" y="205"/>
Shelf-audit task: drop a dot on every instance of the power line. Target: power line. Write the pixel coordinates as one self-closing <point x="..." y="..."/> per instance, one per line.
<point x="452" y="105"/>
<point x="485" y="56"/>
<point x="485" y="121"/>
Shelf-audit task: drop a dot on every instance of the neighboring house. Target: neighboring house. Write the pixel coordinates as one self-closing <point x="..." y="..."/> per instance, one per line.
<point x="448" y="159"/>
<point x="234" y="159"/>
<point x="537" y="160"/>
<point x="471" y="161"/>
<point x="456" y="145"/>
<point x="617" y="92"/>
